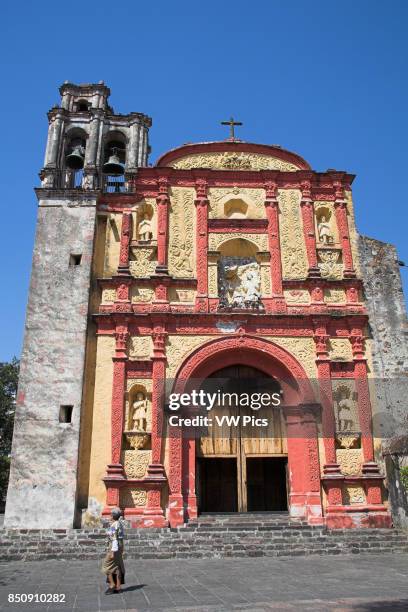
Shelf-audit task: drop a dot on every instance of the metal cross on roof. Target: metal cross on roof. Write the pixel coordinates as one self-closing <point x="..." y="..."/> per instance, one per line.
<point x="232" y="125"/>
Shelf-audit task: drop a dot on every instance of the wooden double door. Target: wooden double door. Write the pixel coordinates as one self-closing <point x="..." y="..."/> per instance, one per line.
<point x="242" y="467"/>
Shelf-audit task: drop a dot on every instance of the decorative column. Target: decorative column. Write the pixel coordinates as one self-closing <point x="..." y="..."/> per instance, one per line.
<point x="331" y="469"/>
<point x="162" y="225"/>
<point x="155" y="471"/>
<point x="125" y="237"/>
<point x="201" y="204"/>
<point x="373" y="479"/>
<point x="309" y="233"/>
<point x="340" y="206"/>
<point x="133" y="147"/>
<point x="56" y="119"/>
<point x="303" y="463"/>
<point x="272" y="214"/>
<point x="114" y="471"/>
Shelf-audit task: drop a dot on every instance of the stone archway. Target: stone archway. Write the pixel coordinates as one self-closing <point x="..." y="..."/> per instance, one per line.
<point x="301" y="413"/>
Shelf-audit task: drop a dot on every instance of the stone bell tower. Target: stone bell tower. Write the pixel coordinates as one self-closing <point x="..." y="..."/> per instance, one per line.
<point x="90" y="151"/>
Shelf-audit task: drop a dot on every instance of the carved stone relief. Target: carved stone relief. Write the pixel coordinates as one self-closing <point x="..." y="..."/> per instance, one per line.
<point x="136" y="463"/>
<point x="239" y="283"/>
<point x="350" y="461"/>
<point x="330" y="264"/>
<point x="131" y="498"/>
<point x="141" y="294"/>
<point x="297" y="296"/>
<point x="140" y="347"/>
<point x="334" y="296"/>
<point x="181" y="232"/>
<point x="182" y="295"/>
<point x="340" y="349"/>
<point x="303" y="349"/>
<point x="354" y="494"/>
<point x="179" y="347"/>
<point x="108" y="296"/>
<point x="233" y="161"/>
<point x="143" y="261"/>
<point x="294" y="257"/>
<point x="216" y="240"/>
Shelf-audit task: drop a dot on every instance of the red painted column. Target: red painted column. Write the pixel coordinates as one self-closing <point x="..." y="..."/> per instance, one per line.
<point x="303" y="463"/>
<point x="125" y="238"/>
<point x="272" y="213"/>
<point x="370" y="467"/>
<point x="114" y="471"/>
<point x="162" y="225"/>
<point x="201" y="203"/>
<point x="155" y="471"/>
<point x="309" y="232"/>
<point x="331" y="468"/>
<point x="363" y="397"/>
<point x="340" y="206"/>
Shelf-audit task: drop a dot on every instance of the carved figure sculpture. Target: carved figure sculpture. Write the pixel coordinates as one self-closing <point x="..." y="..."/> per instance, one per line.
<point x="344" y="411"/>
<point x="144" y="229"/>
<point x="183" y="259"/>
<point x="242" y="286"/>
<point x="325" y="233"/>
<point x="139" y="415"/>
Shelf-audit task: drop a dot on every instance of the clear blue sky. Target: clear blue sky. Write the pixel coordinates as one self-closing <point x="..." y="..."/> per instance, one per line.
<point x="327" y="79"/>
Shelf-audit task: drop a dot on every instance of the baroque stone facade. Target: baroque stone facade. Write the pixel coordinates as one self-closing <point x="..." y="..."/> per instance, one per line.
<point x="222" y="255"/>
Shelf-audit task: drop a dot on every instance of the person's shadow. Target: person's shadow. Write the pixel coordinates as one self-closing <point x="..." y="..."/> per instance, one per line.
<point x="136" y="587"/>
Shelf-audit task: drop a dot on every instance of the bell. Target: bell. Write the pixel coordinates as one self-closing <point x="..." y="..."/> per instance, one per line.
<point x="113" y="167"/>
<point x="75" y="160"/>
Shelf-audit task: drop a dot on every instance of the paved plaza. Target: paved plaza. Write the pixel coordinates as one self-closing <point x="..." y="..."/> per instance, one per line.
<point x="365" y="583"/>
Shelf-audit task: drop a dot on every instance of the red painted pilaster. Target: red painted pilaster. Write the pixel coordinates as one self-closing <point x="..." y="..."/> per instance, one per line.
<point x="201" y="204"/>
<point x="272" y="214"/>
<point x="162" y="225"/>
<point x="340" y="206"/>
<point x="114" y="471"/>
<point x="303" y="463"/>
<point x="155" y="471"/>
<point x="125" y="238"/>
<point x="309" y="228"/>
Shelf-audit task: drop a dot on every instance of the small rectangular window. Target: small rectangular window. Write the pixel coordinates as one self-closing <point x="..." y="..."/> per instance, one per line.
<point x="65" y="414"/>
<point x="75" y="259"/>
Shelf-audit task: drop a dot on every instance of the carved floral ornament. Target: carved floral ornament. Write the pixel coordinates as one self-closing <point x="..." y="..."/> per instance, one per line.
<point x="233" y="161"/>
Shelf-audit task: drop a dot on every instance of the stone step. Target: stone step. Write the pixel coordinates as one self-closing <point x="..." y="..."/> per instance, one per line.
<point x="221" y="537"/>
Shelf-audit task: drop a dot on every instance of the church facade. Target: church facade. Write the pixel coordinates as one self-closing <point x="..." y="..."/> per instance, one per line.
<point x="224" y="259"/>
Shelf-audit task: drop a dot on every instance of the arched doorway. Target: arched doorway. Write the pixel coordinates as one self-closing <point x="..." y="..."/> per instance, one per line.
<point x="301" y="415"/>
<point x="242" y="459"/>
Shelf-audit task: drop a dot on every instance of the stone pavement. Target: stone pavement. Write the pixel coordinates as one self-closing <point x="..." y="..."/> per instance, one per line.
<point x="364" y="583"/>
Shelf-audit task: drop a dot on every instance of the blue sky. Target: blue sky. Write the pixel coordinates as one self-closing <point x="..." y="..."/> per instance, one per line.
<point x="324" y="79"/>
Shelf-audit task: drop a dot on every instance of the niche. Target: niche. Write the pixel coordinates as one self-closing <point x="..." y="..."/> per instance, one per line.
<point x="235" y="209"/>
<point x="144" y="223"/>
<point x="324" y="227"/>
<point x="138" y="417"/>
<point x="239" y="275"/>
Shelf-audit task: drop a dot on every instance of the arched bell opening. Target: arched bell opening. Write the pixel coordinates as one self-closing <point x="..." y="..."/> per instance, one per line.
<point x="74" y="157"/>
<point x="114" y="161"/>
<point x="82" y="106"/>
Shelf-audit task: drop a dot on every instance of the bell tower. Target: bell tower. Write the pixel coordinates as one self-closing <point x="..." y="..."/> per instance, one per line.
<point x="90" y="150"/>
<point x="84" y="134"/>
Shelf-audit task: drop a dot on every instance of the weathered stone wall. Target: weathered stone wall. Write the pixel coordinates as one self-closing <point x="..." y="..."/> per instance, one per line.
<point x="389" y="331"/>
<point x="42" y="488"/>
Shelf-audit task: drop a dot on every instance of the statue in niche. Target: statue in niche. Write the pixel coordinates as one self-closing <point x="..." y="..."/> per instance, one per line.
<point x="144" y="229"/>
<point x="324" y="231"/>
<point x="139" y="414"/>
<point x="344" y="412"/>
<point x="241" y="287"/>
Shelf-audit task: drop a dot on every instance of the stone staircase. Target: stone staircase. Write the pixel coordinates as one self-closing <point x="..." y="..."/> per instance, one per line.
<point x="209" y="536"/>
